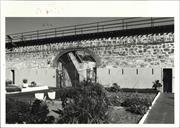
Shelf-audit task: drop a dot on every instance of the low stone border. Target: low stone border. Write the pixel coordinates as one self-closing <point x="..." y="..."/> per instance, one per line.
<point x="145" y="115"/>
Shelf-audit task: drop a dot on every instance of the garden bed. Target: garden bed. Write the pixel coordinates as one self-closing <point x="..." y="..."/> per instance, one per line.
<point x="89" y="101"/>
<point x="129" y="107"/>
<point x="119" y="115"/>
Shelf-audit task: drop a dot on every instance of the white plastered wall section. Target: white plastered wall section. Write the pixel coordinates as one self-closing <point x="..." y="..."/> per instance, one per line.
<point x="129" y="77"/>
<point x="133" y="77"/>
<point x="42" y="76"/>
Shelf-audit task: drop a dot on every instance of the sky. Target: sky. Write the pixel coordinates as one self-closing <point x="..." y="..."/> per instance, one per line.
<point x="25" y="24"/>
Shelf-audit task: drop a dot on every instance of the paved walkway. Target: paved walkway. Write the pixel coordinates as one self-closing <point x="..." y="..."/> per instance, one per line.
<point x="163" y="110"/>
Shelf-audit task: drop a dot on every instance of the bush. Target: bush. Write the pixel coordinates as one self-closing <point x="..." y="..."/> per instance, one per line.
<point x="137" y="104"/>
<point x="25" y="81"/>
<point x="138" y="109"/>
<point x="21" y="112"/>
<point x="16" y="111"/>
<point x="12" y="88"/>
<point x="138" y="90"/>
<point x="156" y="85"/>
<point x="86" y="103"/>
<point x="33" y="84"/>
<point x="115" y="100"/>
<point x="8" y="82"/>
<point x="115" y="88"/>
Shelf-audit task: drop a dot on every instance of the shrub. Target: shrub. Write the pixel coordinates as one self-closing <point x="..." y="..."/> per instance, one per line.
<point x="21" y="112"/>
<point x="86" y="103"/>
<point x="156" y="84"/>
<point x="8" y="82"/>
<point x="115" y="100"/>
<point x="12" y="88"/>
<point x="138" y="109"/>
<point x="115" y="88"/>
<point x="33" y="84"/>
<point x="137" y="104"/>
<point x="138" y="90"/>
<point x="25" y="81"/>
<point x="16" y="111"/>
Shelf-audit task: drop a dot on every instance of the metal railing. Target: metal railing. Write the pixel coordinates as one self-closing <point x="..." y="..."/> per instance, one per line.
<point x="104" y="26"/>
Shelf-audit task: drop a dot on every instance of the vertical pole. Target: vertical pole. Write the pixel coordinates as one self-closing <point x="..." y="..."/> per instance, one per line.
<point x="97" y="27"/>
<point x="95" y="71"/>
<point x="22" y="37"/>
<point x="152" y="23"/>
<point x="55" y="32"/>
<point x="57" y="78"/>
<point x="62" y="33"/>
<point x="37" y="34"/>
<point x="75" y="30"/>
<point x="81" y="30"/>
<point x="122" y="25"/>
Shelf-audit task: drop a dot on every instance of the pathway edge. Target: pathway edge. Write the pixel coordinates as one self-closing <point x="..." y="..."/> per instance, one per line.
<point x="146" y="114"/>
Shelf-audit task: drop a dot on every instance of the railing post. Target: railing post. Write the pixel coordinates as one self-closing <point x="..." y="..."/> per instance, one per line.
<point x="22" y="37"/>
<point x="55" y="32"/>
<point x="62" y="32"/>
<point x="152" y="23"/>
<point x="97" y="27"/>
<point x="123" y="24"/>
<point x="81" y="30"/>
<point x="37" y="34"/>
<point x="75" y="30"/>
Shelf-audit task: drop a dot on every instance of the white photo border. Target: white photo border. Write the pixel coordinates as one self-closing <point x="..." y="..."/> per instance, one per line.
<point x="90" y="9"/>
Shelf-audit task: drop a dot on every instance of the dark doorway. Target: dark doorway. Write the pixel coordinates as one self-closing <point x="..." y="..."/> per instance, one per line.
<point x="167" y="80"/>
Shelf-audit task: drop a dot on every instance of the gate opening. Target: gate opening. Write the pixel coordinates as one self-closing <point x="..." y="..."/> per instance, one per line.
<point x="74" y="67"/>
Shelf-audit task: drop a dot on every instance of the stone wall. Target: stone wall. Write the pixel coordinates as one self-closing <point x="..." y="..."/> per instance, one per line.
<point x="139" y="55"/>
<point x="147" y="55"/>
<point x="115" y="59"/>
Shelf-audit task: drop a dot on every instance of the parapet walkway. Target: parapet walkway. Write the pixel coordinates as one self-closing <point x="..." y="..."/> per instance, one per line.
<point x="163" y="110"/>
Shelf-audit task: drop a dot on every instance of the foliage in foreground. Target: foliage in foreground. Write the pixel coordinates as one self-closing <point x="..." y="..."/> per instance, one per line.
<point x="114" y="88"/>
<point x="137" y="104"/>
<point x="87" y="103"/>
<point x="134" y="102"/>
<point x="21" y="112"/>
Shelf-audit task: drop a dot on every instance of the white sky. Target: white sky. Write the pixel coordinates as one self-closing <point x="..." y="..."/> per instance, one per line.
<point x="24" y="24"/>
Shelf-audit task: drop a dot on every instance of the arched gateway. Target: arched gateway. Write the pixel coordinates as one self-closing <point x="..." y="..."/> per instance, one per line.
<point x="75" y="65"/>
